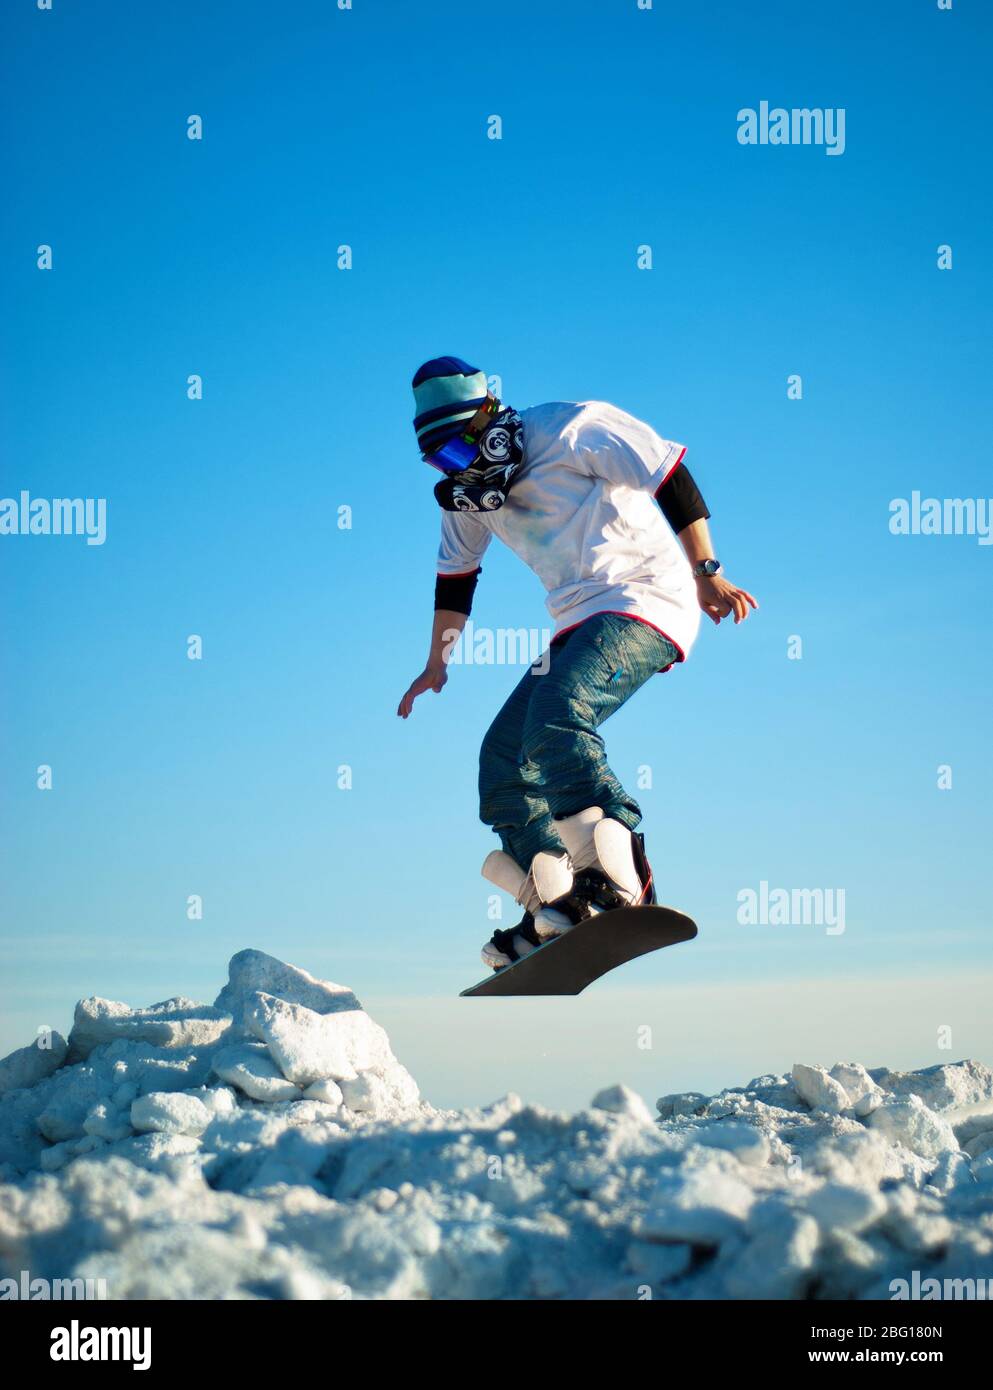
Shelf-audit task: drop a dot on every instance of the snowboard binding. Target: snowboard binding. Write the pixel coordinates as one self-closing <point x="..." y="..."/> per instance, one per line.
<point x="605" y="868"/>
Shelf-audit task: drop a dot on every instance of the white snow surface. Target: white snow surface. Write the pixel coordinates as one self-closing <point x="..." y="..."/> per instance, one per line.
<point x="271" y="1146"/>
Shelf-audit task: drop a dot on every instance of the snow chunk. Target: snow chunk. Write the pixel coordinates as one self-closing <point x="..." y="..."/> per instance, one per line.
<point x="979" y="1144"/>
<point x="863" y="1093"/>
<point x="859" y="1158"/>
<point x="946" y="1087"/>
<point x="327" y="1091"/>
<point x="253" y="972"/>
<point x="310" y="1047"/>
<point x="29" y="1065"/>
<point x="174" y="1023"/>
<point x="970" y="1122"/>
<point x="951" y="1171"/>
<point x="702" y="1207"/>
<point x="219" y="1100"/>
<point x="170" y="1112"/>
<point x="384" y="1096"/>
<point x="253" y="1071"/>
<point x="60" y="1154"/>
<point x="839" y="1207"/>
<point x="106" y="1121"/>
<point x="914" y="1220"/>
<point x="748" y="1144"/>
<point x="819" y="1089"/>
<point x="621" y="1100"/>
<point x="366" y="1094"/>
<point x="911" y="1123"/>
<point x="682" y="1103"/>
<point x="777" y="1262"/>
<point x="982" y="1168"/>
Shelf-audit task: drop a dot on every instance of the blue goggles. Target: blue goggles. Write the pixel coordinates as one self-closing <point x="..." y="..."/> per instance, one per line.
<point x="461" y="452"/>
<point x="455" y="456"/>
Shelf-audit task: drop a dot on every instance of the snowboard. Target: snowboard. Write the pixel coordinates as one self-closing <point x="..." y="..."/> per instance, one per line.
<point x="567" y="964"/>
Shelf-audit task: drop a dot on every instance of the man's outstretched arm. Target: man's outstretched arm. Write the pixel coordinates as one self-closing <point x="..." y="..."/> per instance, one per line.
<point x="687" y="514"/>
<point x="445" y="633"/>
<point x="452" y="606"/>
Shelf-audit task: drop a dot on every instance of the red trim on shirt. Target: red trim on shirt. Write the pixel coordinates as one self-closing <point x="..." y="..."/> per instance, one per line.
<point x="463" y="574"/>
<point x="682" y="455"/>
<point x="637" y="618"/>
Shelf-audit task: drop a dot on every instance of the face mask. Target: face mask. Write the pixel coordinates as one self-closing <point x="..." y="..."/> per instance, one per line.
<point x="479" y="472"/>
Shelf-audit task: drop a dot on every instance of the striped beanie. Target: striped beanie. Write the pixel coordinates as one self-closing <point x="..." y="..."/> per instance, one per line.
<point x="447" y="394"/>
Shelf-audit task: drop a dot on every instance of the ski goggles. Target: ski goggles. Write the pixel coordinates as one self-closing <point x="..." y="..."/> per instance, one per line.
<point x="455" y="456"/>
<point x="462" y="451"/>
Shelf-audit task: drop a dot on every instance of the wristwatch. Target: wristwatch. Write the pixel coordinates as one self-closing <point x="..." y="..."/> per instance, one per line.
<point x="706" y="569"/>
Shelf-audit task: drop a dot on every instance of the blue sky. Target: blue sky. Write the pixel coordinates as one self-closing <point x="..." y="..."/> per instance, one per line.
<point x="218" y="257"/>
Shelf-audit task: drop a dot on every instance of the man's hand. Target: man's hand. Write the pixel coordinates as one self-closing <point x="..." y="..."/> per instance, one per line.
<point x="431" y="678"/>
<point x="719" y="599"/>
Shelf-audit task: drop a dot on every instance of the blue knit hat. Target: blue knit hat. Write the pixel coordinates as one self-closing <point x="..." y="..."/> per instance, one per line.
<point x="447" y="394"/>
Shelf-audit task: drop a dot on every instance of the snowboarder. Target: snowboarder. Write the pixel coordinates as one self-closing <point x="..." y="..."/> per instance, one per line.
<point x="593" y="501"/>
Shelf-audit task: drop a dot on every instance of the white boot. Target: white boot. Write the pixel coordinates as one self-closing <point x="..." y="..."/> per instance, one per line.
<point x="548" y="878"/>
<point x="496" y="957"/>
<point x="594" y="841"/>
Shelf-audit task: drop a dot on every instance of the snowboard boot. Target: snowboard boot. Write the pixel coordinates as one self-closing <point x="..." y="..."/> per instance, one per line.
<point x="608" y="861"/>
<point x="548" y="879"/>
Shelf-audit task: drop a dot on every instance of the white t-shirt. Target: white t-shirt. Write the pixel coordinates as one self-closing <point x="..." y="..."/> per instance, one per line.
<point x="582" y="514"/>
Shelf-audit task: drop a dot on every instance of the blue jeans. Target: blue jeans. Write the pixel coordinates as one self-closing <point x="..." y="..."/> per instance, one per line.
<point x="542" y="756"/>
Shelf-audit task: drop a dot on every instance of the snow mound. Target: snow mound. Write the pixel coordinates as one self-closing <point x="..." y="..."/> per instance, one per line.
<point x="270" y="1145"/>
